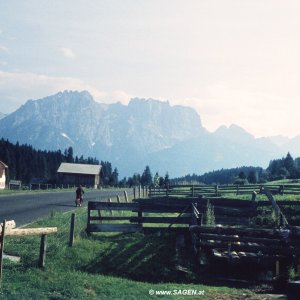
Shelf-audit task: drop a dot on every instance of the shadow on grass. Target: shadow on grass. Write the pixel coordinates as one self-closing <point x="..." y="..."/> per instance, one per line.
<point x="150" y="258"/>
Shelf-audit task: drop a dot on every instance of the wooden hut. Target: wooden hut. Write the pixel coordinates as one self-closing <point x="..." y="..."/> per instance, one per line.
<point x="76" y="174"/>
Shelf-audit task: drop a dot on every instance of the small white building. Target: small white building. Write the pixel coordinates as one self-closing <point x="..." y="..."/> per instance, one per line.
<point x="3" y="168"/>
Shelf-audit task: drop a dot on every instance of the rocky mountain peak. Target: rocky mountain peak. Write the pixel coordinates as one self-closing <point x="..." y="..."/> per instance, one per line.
<point x="144" y="132"/>
<point x="112" y="132"/>
<point x="234" y="133"/>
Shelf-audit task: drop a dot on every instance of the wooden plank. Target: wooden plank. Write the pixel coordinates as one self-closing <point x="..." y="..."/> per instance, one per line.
<point x="114" y="227"/>
<point x="163" y="209"/>
<point x="110" y="218"/>
<point x="8" y="224"/>
<point x="236" y="238"/>
<point x="231" y="220"/>
<point x="231" y="230"/>
<point x="30" y="231"/>
<point x="163" y="220"/>
<point x="177" y="230"/>
<point x="12" y="258"/>
<point x="2" y="249"/>
<point x="231" y="212"/>
<point x="250" y="247"/>
<point x="228" y="202"/>
<point x="43" y="247"/>
<point x="72" y="230"/>
<point x="126" y="196"/>
<point x="279" y="202"/>
<point x="196" y="216"/>
<point x="276" y="208"/>
<point x="112" y="206"/>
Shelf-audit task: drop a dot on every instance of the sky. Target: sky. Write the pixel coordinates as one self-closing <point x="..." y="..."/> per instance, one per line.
<point x="233" y="61"/>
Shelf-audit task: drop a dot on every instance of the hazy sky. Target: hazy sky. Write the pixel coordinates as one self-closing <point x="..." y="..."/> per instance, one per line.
<point x="233" y="61"/>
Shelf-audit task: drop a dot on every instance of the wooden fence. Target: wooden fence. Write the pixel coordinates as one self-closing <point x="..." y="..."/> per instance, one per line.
<point x="143" y="212"/>
<point x="221" y="190"/>
<point x="168" y="211"/>
<point x="234" y="238"/>
<point x="137" y="214"/>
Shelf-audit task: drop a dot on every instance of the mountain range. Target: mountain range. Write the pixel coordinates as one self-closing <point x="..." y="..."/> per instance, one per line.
<point x="144" y="132"/>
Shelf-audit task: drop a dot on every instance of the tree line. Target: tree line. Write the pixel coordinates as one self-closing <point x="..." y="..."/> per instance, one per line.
<point x="145" y="179"/>
<point x="30" y="165"/>
<point x="284" y="168"/>
<point x="40" y="166"/>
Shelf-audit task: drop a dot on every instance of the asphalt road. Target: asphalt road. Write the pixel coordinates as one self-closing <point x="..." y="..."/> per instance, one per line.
<point x="26" y="208"/>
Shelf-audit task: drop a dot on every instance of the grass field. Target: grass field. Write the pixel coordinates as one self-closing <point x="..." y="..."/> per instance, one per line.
<point x="103" y="266"/>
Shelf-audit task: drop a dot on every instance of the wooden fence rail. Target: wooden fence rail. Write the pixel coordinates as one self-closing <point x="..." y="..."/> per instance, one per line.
<point x="136" y="214"/>
<point x="218" y="190"/>
<point x="8" y="228"/>
<point x="190" y="210"/>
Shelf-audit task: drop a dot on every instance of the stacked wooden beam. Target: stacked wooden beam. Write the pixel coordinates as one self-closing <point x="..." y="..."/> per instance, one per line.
<point x="226" y="241"/>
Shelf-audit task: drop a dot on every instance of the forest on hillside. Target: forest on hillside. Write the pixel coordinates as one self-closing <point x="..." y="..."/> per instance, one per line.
<point x="40" y="166"/>
<point x="283" y="168"/>
<point x="37" y="166"/>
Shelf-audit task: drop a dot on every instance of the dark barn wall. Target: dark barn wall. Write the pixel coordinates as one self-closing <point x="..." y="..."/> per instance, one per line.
<point x="77" y="179"/>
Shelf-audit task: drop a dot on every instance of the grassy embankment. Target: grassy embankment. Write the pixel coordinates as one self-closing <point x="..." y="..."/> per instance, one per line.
<point x="101" y="266"/>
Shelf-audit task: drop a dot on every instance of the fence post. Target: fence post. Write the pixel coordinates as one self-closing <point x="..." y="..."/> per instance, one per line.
<point x="109" y="200"/>
<point x="277" y="268"/>
<point x="126" y="197"/>
<point x="72" y="230"/>
<point x="43" y="248"/>
<point x="1" y="249"/>
<point x="140" y="189"/>
<point x="237" y="189"/>
<point x="253" y="196"/>
<point x="217" y="190"/>
<point x="134" y="193"/>
<point x="140" y="216"/>
<point x="281" y="189"/>
<point x="118" y="198"/>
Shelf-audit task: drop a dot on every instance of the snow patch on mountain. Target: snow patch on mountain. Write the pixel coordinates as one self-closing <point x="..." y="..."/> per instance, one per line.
<point x="67" y="137"/>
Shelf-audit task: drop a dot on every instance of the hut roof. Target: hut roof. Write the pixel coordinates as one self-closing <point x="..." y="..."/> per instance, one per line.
<point x="79" y="169"/>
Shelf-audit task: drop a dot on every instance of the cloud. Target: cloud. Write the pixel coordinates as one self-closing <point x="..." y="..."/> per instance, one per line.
<point x="260" y="113"/>
<point x="16" y="88"/>
<point x="4" y="49"/>
<point x="67" y="52"/>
